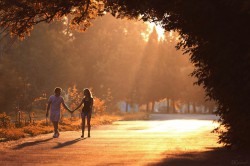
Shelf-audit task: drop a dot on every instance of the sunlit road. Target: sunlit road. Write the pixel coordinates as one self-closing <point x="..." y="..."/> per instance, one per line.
<point x="123" y="143"/>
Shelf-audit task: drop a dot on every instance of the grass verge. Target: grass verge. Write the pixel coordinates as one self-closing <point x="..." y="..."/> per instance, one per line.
<point x="66" y="124"/>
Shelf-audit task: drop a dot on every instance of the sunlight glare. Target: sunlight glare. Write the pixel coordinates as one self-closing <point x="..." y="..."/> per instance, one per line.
<point x="182" y="126"/>
<point x="160" y="31"/>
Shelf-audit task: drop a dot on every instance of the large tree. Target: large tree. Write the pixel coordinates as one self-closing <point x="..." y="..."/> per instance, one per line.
<point x="215" y="34"/>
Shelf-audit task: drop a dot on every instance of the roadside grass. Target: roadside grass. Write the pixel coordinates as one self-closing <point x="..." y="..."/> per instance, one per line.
<point x="66" y="124"/>
<point x="135" y="116"/>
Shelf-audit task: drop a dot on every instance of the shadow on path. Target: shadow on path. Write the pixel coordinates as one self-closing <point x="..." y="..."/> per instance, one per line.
<point x="61" y="145"/>
<point x="212" y="157"/>
<point x="26" y="144"/>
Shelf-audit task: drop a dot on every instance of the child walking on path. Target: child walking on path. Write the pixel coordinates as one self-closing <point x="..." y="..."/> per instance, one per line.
<point x="54" y="105"/>
<point x="87" y="102"/>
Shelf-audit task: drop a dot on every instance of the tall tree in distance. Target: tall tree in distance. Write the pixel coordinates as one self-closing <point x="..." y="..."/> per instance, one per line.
<point x="144" y="83"/>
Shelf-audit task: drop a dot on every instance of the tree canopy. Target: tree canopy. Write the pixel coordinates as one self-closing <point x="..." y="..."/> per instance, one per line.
<point x="121" y="62"/>
<point x="214" y="33"/>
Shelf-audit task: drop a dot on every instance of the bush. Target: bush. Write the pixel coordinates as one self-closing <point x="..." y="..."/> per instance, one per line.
<point x="36" y="130"/>
<point x="136" y="116"/>
<point x="66" y="124"/>
<point x="12" y="134"/>
<point x="4" y="121"/>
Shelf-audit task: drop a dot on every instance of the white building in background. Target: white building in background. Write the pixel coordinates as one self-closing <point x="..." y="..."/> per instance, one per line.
<point x="161" y="106"/>
<point x="131" y="108"/>
<point x="180" y="107"/>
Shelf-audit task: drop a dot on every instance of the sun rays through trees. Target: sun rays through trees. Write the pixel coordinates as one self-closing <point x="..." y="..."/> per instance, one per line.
<point x="214" y="33"/>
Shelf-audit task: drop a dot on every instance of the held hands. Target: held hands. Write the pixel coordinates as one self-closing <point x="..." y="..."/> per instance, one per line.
<point x="72" y="111"/>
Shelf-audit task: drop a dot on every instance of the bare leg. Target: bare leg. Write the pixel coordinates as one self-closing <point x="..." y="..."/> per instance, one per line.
<point x="55" y="124"/>
<point x="56" y="134"/>
<point x="88" y="122"/>
<point x="83" y="124"/>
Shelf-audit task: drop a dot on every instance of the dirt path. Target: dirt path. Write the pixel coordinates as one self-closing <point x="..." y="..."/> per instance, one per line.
<point x="123" y="143"/>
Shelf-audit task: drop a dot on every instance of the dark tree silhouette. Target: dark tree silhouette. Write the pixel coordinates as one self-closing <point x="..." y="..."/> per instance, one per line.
<point x="216" y="35"/>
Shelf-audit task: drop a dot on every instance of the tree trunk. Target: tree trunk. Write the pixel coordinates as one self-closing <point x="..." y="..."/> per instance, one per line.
<point x="126" y="106"/>
<point x="19" y="117"/>
<point x="153" y="106"/>
<point x="147" y="108"/>
<point x="30" y="117"/>
<point x="188" y="104"/>
<point x="173" y="104"/>
<point x="195" y="110"/>
<point x="210" y="110"/>
<point x="168" y="105"/>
